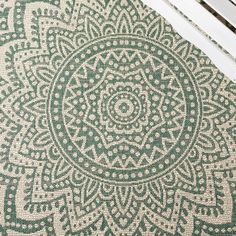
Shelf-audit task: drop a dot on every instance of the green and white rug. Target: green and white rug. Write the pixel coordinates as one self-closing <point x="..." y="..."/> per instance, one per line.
<point x="111" y="124"/>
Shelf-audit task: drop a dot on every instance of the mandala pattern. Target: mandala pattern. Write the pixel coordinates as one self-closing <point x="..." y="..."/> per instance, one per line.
<point x="111" y="124"/>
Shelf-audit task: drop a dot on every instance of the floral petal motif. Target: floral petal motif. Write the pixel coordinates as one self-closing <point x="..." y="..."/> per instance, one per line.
<point x="111" y="124"/>
<point x="42" y="139"/>
<point x="44" y="73"/>
<point x="64" y="46"/>
<point x="93" y="29"/>
<point x="186" y="172"/>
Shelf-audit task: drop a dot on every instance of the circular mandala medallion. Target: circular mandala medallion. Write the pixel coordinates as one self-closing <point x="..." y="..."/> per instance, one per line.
<point x="124" y="109"/>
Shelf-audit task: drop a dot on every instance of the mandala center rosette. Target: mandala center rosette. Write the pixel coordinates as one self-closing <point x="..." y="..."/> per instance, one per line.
<point x="122" y="108"/>
<point x="124" y="122"/>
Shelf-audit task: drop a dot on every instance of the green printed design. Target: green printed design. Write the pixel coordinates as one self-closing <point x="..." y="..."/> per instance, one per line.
<point x="111" y="124"/>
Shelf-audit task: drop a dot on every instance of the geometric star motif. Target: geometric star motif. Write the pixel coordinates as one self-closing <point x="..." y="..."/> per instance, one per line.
<point x="122" y="108"/>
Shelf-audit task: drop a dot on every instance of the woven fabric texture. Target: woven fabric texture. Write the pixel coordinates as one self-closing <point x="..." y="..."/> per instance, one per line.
<point x="111" y="124"/>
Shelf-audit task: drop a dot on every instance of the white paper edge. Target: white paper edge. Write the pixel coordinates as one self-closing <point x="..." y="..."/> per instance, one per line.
<point x="225" y="9"/>
<point x="207" y="23"/>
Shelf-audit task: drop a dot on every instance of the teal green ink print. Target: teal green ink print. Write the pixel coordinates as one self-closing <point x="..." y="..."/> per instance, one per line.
<point x="111" y="124"/>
